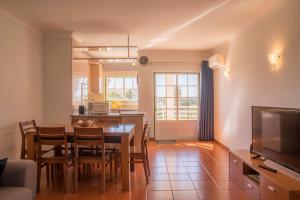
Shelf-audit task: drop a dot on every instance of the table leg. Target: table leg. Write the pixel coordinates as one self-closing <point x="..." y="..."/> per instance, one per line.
<point x="125" y="162"/>
<point x="132" y="144"/>
<point x="30" y="146"/>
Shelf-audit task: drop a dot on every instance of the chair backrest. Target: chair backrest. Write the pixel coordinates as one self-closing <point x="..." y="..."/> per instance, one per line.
<point x="55" y="136"/>
<point x="145" y="135"/>
<point x="27" y="126"/>
<point x="88" y="136"/>
<point x="52" y="135"/>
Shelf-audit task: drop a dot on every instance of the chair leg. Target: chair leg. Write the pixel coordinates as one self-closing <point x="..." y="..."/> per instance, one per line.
<point x="76" y="176"/>
<point x="48" y="174"/>
<point x="103" y="176"/>
<point x="52" y="173"/>
<point x="145" y="169"/>
<point x="23" y="148"/>
<point x="147" y="160"/>
<point x="65" y="176"/>
<point x="110" y="169"/>
<point x="116" y="166"/>
<point x="39" y="177"/>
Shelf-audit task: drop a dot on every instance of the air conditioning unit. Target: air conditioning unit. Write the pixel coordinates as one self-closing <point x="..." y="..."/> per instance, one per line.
<point x="216" y="61"/>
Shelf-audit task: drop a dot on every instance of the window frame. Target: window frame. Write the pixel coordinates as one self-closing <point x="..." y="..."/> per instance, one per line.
<point x="123" y="88"/>
<point x="81" y="101"/>
<point x="177" y="97"/>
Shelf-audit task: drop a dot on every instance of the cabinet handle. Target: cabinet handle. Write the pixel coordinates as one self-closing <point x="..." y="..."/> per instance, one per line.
<point x="249" y="186"/>
<point x="271" y="188"/>
<point x="235" y="161"/>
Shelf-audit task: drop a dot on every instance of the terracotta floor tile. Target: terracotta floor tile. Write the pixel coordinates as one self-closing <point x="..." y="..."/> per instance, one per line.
<point x="177" y="170"/>
<point x="185" y="195"/>
<point x="159" y="170"/>
<point x="191" y="158"/>
<point x="173" y="159"/>
<point x="211" y="195"/>
<point x="207" y="184"/>
<point x="158" y="164"/>
<point x="159" y="177"/>
<point x="135" y="194"/>
<point x="199" y="176"/>
<point x="174" y="164"/>
<point x="182" y="185"/>
<point x="179" y="177"/>
<point x="159" y="195"/>
<point x="191" y="164"/>
<point x="194" y="169"/>
<point x="138" y="185"/>
<point x="159" y="185"/>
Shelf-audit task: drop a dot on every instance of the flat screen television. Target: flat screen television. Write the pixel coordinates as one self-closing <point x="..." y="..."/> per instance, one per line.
<point x="276" y="135"/>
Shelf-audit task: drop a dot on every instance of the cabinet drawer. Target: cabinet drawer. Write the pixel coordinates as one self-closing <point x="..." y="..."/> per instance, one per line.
<point x="271" y="191"/>
<point x="235" y="168"/>
<point x="250" y="187"/>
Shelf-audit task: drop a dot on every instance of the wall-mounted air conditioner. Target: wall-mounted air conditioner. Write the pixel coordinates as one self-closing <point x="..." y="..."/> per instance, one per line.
<point x="216" y="61"/>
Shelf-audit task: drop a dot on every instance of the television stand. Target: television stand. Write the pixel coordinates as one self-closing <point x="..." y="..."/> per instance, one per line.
<point x="259" y="183"/>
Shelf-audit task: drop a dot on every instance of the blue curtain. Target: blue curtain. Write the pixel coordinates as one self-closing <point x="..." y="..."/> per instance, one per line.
<point x="206" y="124"/>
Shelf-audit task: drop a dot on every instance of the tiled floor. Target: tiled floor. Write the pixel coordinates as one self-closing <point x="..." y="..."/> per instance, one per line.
<point x="181" y="171"/>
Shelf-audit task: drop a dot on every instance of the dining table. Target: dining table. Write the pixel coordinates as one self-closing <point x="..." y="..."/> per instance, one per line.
<point x="122" y="134"/>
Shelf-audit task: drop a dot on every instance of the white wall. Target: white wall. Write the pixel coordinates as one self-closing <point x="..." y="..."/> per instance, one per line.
<point x="169" y="61"/>
<point x="57" y="61"/>
<point x="190" y="63"/>
<point x="20" y="80"/>
<point x="252" y="80"/>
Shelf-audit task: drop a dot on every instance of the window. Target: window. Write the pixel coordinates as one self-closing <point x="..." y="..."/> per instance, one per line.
<point x="176" y="96"/>
<point x="80" y="90"/>
<point x="121" y="89"/>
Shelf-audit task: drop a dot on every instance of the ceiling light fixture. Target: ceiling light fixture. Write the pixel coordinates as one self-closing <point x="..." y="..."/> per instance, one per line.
<point x="108" y="54"/>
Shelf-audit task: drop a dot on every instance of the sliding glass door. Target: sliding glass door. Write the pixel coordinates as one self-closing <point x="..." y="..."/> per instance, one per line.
<point x="176" y="105"/>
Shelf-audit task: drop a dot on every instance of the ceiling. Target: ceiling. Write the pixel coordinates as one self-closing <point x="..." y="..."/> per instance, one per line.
<point x="155" y="24"/>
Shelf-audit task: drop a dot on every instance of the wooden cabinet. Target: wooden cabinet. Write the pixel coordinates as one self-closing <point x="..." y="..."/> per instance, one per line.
<point x="258" y="183"/>
<point x="235" y="168"/>
<point x="271" y="191"/>
<point x="250" y="187"/>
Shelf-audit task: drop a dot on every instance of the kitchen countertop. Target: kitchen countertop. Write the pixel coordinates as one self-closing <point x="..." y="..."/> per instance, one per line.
<point x="124" y="113"/>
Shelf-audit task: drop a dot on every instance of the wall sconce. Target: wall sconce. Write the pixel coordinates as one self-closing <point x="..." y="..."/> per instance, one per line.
<point x="275" y="59"/>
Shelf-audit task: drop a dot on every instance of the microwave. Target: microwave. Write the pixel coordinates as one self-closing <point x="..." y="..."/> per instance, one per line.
<point x="98" y="107"/>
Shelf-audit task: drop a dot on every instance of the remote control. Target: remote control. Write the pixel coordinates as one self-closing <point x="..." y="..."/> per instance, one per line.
<point x="267" y="168"/>
<point x="256" y="156"/>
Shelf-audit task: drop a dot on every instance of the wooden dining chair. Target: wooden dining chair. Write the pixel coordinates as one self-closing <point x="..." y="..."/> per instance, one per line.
<point x="57" y="137"/>
<point x="25" y="127"/>
<point x="90" y="137"/>
<point x="140" y="154"/>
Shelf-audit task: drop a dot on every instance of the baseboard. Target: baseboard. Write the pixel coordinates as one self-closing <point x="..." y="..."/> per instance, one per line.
<point x="221" y="144"/>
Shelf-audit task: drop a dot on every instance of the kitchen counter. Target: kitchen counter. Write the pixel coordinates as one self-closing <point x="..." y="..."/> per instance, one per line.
<point x="124" y="113"/>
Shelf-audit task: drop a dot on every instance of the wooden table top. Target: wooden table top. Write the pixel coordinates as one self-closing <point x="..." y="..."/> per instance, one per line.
<point x="108" y="129"/>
